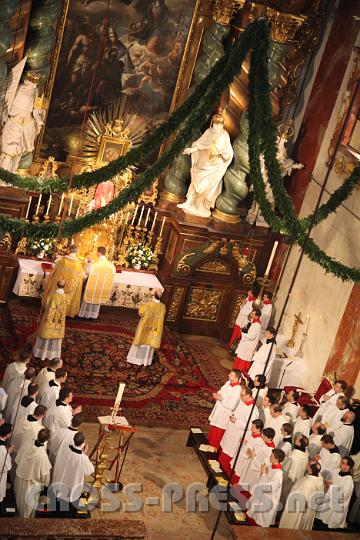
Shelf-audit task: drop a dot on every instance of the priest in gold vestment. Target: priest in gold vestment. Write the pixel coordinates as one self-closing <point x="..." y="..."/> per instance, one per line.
<point x="149" y="331"/>
<point x="98" y="286"/>
<point x="52" y="325"/>
<point x="71" y="270"/>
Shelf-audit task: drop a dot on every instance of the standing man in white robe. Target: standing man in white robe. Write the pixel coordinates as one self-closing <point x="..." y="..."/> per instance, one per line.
<point x="265" y="495"/>
<point x="27" y="405"/>
<point x="5" y="457"/>
<point x="64" y="436"/>
<point x="329" y="456"/>
<point x="302" y="424"/>
<point x="51" y="391"/>
<point x="266" y="310"/>
<point x="299" y="512"/>
<point x="344" y="435"/>
<point x="98" y="286"/>
<point x="244" y="312"/>
<point x="227" y="399"/>
<point x="47" y="374"/>
<point x="32" y="474"/>
<point x="286" y="442"/>
<point x="27" y="429"/>
<point x="61" y="412"/>
<point x="291" y="407"/>
<point x="318" y="430"/>
<point x="295" y="466"/>
<point x="15" y="369"/>
<point x="252" y="455"/>
<point x="3" y="400"/>
<point x="71" y="466"/>
<point x="248" y="343"/>
<point x="265" y="355"/>
<point x="18" y="388"/>
<point x="276" y="421"/>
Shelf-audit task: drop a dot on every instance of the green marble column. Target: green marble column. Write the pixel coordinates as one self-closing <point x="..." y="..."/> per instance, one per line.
<point x="7" y="10"/>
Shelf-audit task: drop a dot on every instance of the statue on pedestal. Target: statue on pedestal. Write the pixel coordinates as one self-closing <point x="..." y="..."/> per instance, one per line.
<point x="22" y="119"/>
<point x="211" y="155"/>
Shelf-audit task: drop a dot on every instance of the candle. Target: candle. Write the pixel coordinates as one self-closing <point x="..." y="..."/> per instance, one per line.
<point x="147" y="217"/>
<point x="78" y="210"/>
<point x="28" y="207"/>
<point x="71" y="204"/>
<point x="271" y="258"/>
<point x="127" y="218"/>
<point x="134" y="215"/>
<point x="61" y="203"/>
<point x="141" y="215"/>
<point x="307" y="323"/>
<point x="48" y="206"/>
<point x="162" y="226"/>
<point x="121" y="218"/>
<point x="153" y="223"/>
<point x="38" y="205"/>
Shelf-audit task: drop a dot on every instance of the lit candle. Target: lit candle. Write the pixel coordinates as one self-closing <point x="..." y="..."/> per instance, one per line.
<point x="134" y="215"/>
<point x="61" y="203"/>
<point x="162" y="226"/>
<point x="48" y="206"/>
<point x="307" y="323"/>
<point x="71" y="204"/>
<point x="28" y="207"/>
<point x="153" y="223"/>
<point x="38" y="205"/>
<point x="147" y="217"/>
<point x="271" y="258"/>
<point x="141" y="215"/>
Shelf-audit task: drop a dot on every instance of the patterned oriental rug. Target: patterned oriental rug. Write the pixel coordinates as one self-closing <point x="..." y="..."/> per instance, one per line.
<point x="174" y="391"/>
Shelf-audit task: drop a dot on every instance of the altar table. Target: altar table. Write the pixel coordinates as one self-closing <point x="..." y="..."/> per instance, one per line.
<point x="130" y="289"/>
<point x="287" y="372"/>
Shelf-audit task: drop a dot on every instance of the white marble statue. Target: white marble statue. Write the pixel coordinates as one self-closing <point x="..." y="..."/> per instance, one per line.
<point x="211" y="155"/>
<point x="286" y="167"/>
<point x="22" y="121"/>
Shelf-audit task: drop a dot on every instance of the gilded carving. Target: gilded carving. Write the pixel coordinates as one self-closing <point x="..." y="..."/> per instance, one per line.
<point x="283" y="25"/>
<point x="236" y="310"/>
<point x="203" y="304"/>
<point x="5" y="242"/>
<point x="215" y="266"/>
<point x="213" y="247"/>
<point x="175" y="304"/>
<point x="224" y="10"/>
<point x="182" y="266"/>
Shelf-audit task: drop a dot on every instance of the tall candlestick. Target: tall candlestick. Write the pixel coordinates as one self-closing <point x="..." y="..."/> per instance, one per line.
<point x="28" y="207"/>
<point x="71" y="204"/>
<point x="48" y="206"/>
<point x="306" y="323"/>
<point x="134" y="215"/>
<point x="147" y="217"/>
<point x="271" y="258"/>
<point x="162" y="226"/>
<point x="61" y="203"/>
<point x="38" y="205"/>
<point x="141" y="215"/>
<point x="153" y="223"/>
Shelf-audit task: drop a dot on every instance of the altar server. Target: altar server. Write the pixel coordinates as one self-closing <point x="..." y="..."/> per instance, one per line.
<point x="244" y="312"/>
<point x="15" y="369"/>
<point x="248" y="342"/>
<point x="51" y="391"/>
<point x="98" y="286"/>
<point x="3" y="400"/>
<point x="18" y="388"/>
<point x="276" y="421"/>
<point x="300" y="509"/>
<point x="266" y="310"/>
<point x="227" y="399"/>
<point x="259" y="391"/>
<point x="240" y="419"/>
<point x="265" y="495"/>
<point x="344" y="434"/>
<point x="264" y="410"/>
<point x="52" y="325"/>
<point x="71" y="466"/>
<point x="5" y="457"/>
<point x="25" y="431"/>
<point x="68" y="269"/>
<point x="318" y="430"/>
<point x="61" y="413"/>
<point x="253" y="454"/>
<point x="149" y="331"/>
<point x="291" y="408"/>
<point x="329" y="456"/>
<point x="32" y="474"/>
<point x="333" y="414"/>
<point x="47" y="374"/>
<point x="64" y="436"/>
<point x="27" y="405"/>
<point x="264" y="356"/>
<point x="286" y="443"/>
<point x="295" y="465"/>
<point x="302" y="424"/>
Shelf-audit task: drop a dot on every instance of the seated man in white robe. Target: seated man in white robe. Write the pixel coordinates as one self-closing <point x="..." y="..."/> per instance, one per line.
<point x="267" y="491"/>
<point x="227" y="399"/>
<point x="17" y="390"/>
<point x="315" y="445"/>
<point x="61" y="413"/>
<point x="71" y="467"/>
<point x="51" y="391"/>
<point x="64" y="436"/>
<point x="286" y="443"/>
<point x="99" y="285"/>
<point x="333" y="414"/>
<point x="291" y="407"/>
<point x="330" y="398"/>
<point x="299" y="512"/>
<point x="32" y="474"/>
<point x="294" y="466"/>
<point x="5" y="458"/>
<point x="27" y="429"/>
<point x="276" y="421"/>
<point x="344" y="435"/>
<point x="264" y="356"/>
<point x="47" y="374"/>
<point x="15" y="369"/>
<point x="303" y="421"/>
<point x="329" y="456"/>
<point x="27" y="405"/>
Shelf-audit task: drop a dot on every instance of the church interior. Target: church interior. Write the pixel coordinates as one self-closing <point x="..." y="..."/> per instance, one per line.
<point x="180" y="269"/>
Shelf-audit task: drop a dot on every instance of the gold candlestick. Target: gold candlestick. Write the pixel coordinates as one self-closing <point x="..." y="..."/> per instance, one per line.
<point x="297" y="321"/>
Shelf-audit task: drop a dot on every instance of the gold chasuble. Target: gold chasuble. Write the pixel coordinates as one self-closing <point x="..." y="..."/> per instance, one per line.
<point x="99" y="283"/>
<point x="71" y="270"/>
<point x="150" y="327"/>
<point x="52" y="325"/>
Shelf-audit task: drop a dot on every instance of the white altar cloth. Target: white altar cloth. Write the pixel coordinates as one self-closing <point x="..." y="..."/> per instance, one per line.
<point x="130" y="289"/>
<point x="287" y="372"/>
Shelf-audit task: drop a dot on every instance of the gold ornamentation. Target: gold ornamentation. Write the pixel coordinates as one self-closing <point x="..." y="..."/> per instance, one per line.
<point x="227" y="218"/>
<point x="182" y="266"/>
<point x="224" y="10"/>
<point x="41" y="102"/>
<point x="236" y="310"/>
<point x="203" y="304"/>
<point x="342" y="166"/>
<point x="49" y="168"/>
<point x="215" y="266"/>
<point x="175" y="304"/>
<point x="21" y="247"/>
<point x="330" y="376"/>
<point x="213" y="247"/>
<point x="249" y="276"/>
<point x="6" y="241"/>
<point x="167" y="196"/>
<point x="297" y="321"/>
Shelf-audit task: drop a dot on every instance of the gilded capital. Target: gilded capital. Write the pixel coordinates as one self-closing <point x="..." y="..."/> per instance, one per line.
<point x="223" y="10"/>
<point x="283" y="26"/>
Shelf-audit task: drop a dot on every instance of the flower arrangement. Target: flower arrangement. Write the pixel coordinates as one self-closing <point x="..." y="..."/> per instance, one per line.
<point x="139" y="256"/>
<point x="43" y="247"/>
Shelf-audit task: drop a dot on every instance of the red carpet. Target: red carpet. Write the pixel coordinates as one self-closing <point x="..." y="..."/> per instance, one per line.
<point x="174" y="391"/>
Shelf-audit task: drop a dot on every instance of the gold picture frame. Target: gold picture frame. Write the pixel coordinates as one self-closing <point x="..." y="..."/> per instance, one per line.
<point x="111" y="148"/>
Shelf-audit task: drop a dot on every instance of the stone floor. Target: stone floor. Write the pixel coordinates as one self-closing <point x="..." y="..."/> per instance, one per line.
<point x="157" y="457"/>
